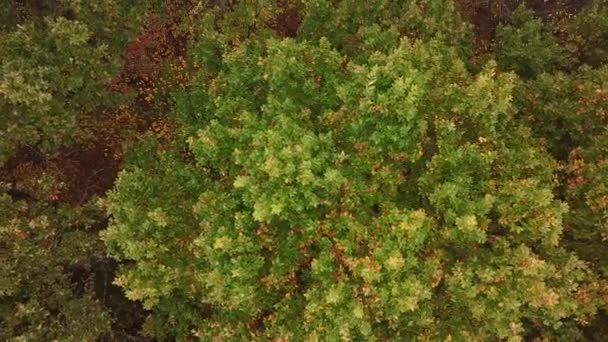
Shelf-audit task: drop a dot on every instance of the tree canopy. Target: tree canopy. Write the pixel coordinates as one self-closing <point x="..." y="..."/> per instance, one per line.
<point x="307" y="170"/>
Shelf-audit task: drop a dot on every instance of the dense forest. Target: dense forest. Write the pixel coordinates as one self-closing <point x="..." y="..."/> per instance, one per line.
<point x="304" y="170"/>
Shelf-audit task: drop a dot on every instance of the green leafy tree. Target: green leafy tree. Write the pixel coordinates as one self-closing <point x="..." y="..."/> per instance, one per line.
<point x="38" y="299"/>
<point x="359" y="29"/>
<point x="56" y="58"/>
<point x="587" y="191"/>
<point x="50" y="75"/>
<point x="526" y="45"/>
<point x="326" y="197"/>
<point x="566" y="109"/>
<point x="587" y="34"/>
<point x="56" y="66"/>
<point x="341" y="171"/>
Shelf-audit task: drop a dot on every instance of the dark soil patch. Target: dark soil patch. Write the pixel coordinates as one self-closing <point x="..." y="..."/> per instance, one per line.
<point x="289" y="18"/>
<point x="84" y="172"/>
<point x="79" y="171"/>
<point x="89" y="168"/>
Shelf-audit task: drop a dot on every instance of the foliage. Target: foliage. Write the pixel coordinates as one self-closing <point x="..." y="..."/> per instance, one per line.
<point x="49" y="76"/>
<point x="567" y="110"/>
<point x="111" y="22"/>
<point x="343" y="198"/>
<point x="57" y="58"/>
<point x="587" y="190"/>
<point x="346" y="24"/>
<point x="55" y="68"/>
<point x="8" y="17"/>
<point x="525" y="34"/>
<point x="40" y="243"/>
<point x="587" y="34"/>
<point x="303" y="170"/>
<point x="103" y="18"/>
